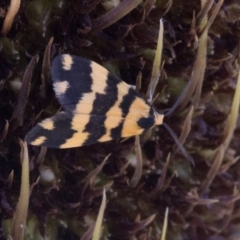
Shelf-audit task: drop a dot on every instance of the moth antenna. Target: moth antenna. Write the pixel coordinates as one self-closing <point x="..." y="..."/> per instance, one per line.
<point x="179" y="100"/>
<point x="180" y="146"/>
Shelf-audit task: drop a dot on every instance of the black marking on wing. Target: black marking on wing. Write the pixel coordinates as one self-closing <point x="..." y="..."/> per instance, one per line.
<point x="101" y="106"/>
<point x="148" y="122"/>
<point x="54" y="137"/>
<point x="78" y="77"/>
<point x="117" y="131"/>
<point x="127" y="101"/>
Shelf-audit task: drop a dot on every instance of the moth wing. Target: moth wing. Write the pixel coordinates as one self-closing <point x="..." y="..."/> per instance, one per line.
<point x="79" y="83"/>
<point x="83" y="86"/>
<point x="51" y="132"/>
<point x="65" y="130"/>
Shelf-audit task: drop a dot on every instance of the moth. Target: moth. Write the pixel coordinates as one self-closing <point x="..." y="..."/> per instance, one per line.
<point x="98" y="107"/>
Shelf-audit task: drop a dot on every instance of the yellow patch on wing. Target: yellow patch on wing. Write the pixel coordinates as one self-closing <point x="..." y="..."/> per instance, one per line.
<point x="60" y="87"/>
<point x="99" y="77"/>
<point x="131" y="128"/>
<point x="47" y="124"/>
<point x="67" y="61"/>
<point x="138" y="109"/>
<point x="85" y="105"/>
<point x="123" y="88"/>
<point x="38" y="141"/>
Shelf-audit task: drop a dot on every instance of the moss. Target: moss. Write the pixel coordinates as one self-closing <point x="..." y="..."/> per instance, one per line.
<point x="64" y="208"/>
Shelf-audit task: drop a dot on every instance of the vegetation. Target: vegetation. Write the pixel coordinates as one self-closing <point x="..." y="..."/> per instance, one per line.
<point x="198" y="91"/>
